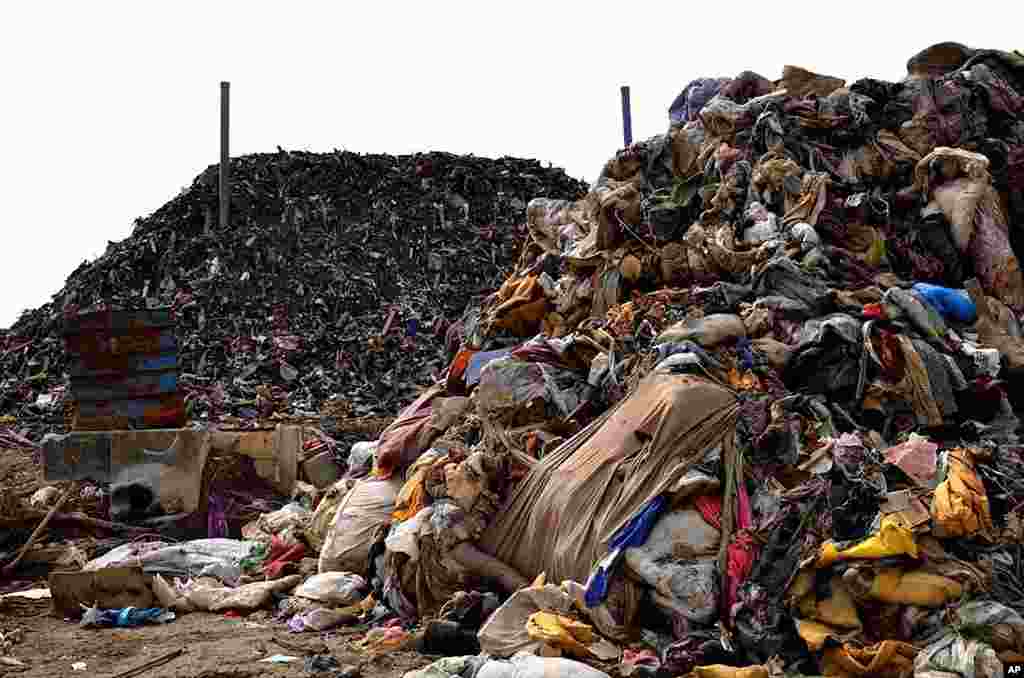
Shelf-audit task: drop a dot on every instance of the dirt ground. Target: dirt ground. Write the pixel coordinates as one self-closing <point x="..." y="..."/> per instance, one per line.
<point x="214" y="646"/>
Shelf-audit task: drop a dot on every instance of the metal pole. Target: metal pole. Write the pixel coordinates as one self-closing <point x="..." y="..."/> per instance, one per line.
<point x="627" y="118"/>
<point x="225" y="157"/>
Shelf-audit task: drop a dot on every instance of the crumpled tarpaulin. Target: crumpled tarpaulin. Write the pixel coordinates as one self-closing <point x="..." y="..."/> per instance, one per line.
<point x="561" y="518"/>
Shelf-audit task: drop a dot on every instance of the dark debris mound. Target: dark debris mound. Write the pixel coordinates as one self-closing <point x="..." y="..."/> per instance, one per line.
<point x="322" y="249"/>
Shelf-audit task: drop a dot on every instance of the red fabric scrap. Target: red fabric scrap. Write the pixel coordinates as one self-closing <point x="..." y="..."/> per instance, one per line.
<point x="874" y="312"/>
<point x="710" y="507"/>
<point x="741" y="552"/>
<point x="281" y="553"/>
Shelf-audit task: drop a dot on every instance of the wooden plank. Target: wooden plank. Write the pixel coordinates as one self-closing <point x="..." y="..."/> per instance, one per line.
<point x="77" y="456"/>
<point x="125" y="386"/>
<point x="128" y="363"/>
<point x="117" y="322"/>
<point x="88" y="347"/>
<point x="135" y="413"/>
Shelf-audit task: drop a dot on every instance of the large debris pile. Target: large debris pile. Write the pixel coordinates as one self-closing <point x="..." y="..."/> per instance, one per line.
<point x="338" y="276"/>
<point x="749" y="399"/>
<point x="745" y="409"/>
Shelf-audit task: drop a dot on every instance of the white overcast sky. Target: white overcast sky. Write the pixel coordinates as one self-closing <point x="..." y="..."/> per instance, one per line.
<point x="111" y="108"/>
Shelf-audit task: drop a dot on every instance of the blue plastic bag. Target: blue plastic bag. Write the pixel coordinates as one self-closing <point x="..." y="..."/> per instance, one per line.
<point x="952" y="304"/>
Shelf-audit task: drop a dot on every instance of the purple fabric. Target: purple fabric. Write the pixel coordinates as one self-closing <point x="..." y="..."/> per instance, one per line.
<point x="216" y="519"/>
<point x="694" y="97"/>
<point x="746" y="86"/>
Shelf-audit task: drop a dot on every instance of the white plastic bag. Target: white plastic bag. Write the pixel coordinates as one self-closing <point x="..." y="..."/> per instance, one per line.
<point x="220" y="558"/>
<point x="333" y="588"/>
<point x="525" y="665"/>
<point x="405" y="536"/>
<point x="954" y="656"/>
<point x="290" y="516"/>
<point x="360" y="458"/>
<point x="678" y="561"/>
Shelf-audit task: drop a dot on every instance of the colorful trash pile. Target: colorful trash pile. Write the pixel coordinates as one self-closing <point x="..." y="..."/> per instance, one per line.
<point x="746" y="409"/>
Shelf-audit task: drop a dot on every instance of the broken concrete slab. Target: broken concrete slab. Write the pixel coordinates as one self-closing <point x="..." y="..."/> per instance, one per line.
<point x="153" y="467"/>
<point x="164" y="467"/>
<point x="109" y="588"/>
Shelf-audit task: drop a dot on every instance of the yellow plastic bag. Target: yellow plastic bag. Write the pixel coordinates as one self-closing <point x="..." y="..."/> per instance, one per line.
<point x="960" y="506"/>
<point x="892" y="540"/>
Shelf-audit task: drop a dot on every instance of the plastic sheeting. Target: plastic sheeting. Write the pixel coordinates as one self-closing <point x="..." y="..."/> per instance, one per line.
<point x="956" y="657"/>
<point x="510" y="388"/>
<point x="504" y="633"/>
<point x="333" y="588"/>
<point x="220" y="558"/>
<point x="528" y="666"/>
<point x="562" y="516"/>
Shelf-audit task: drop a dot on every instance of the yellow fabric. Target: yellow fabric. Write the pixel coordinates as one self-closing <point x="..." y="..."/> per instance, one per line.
<point x="413" y="495"/>
<point x="562" y="632"/>
<point x="813" y="196"/>
<point x="960" y="505"/>
<point x="839" y="609"/>
<point x="720" y="671"/>
<point x="888" y="659"/>
<point x="411" y="499"/>
<point x="923" y="589"/>
<point x="521" y="306"/>
<point x="743" y="381"/>
<point x="892" y="540"/>
<point x="813" y="633"/>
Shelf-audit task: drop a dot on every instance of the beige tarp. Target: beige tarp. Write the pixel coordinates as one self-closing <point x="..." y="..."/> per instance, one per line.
<point x="560" y="518"/>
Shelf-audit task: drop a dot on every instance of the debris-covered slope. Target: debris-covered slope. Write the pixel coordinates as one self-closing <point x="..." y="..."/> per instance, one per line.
<point x="321" y="249"/>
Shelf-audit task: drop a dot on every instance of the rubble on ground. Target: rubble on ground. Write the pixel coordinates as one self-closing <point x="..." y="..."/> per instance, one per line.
<point x="747" y="408"/>
<point x="336" y="283"/>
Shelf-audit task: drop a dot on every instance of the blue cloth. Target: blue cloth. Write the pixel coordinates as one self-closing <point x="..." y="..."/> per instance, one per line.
<point x="124" y="617"/>
<point x="952" y="304"/>
<point x="745" y="353"/>
<point x="669" y="349"/>
<point x="479" y="361"/>
<point x="633" y="533"/>
<point x="636" y="531"/>
<point x="694" y="97"/>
